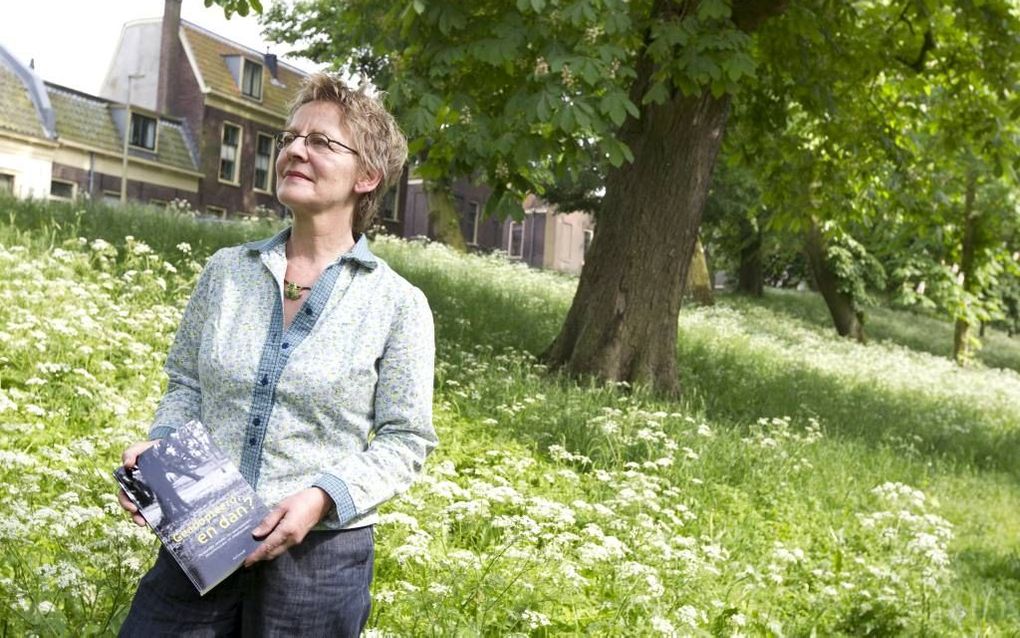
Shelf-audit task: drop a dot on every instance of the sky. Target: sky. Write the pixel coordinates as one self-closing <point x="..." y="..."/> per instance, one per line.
<point x="73" y="41"/>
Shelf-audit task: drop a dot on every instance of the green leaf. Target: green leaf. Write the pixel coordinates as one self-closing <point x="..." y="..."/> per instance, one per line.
<point x="713" y="10"/>
<point x="657" y="94"/>
<point x="419" y="6"/>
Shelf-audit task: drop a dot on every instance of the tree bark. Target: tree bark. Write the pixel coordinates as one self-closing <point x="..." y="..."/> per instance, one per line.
<point x="751" y="272"/>
<point x="699" y="282"/>
<point x="444" y="218"/>
<point x="962" y="350"/>
<point x="622" y="323"/>
<point x="849" y="321"/>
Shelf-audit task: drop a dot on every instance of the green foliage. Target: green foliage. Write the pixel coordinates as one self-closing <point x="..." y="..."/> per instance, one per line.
<point x="521" y="94"/>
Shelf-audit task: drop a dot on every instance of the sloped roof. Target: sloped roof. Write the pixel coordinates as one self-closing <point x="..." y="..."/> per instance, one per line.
<point x="209" y="52"/>
<point x="17" y="113"/>
<point x="88" y="120"/>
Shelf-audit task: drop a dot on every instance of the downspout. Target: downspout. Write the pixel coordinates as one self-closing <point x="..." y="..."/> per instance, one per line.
<point x="92" y="173"/>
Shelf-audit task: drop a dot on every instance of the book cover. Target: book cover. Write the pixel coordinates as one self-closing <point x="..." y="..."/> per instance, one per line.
<point x="197" y="503"/>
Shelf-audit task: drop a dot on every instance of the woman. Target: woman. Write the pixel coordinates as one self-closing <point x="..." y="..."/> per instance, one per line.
<point x="311" y="363"/>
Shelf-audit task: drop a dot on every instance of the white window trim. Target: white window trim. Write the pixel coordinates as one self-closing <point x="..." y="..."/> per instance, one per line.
<point x="236" y="181"/>
<point x="269" y="170"/>
<point x="477" y="210"/>
<point x="216" y="211"/>
<point x="262" y="77"/>
<point x="510" y="239"/>
<point x="74" y="190"/>
<point x="155" y="138"/>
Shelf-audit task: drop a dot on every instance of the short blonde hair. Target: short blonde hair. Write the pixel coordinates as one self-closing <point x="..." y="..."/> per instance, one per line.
<point x="375" y="135"/>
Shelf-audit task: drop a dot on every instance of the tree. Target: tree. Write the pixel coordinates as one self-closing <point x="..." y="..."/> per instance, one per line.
<point x="520" y="93"/>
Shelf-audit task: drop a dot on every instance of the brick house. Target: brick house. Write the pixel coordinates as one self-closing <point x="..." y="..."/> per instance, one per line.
<point x="202" y="117"/>
<point x="231" y="98"/>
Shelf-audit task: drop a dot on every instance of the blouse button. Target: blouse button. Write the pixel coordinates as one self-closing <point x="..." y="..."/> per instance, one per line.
<point x="285" y="345"/>
<point x="251" y="441"/>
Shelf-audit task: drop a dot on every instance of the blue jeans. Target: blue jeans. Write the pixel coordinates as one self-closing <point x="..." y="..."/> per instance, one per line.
<point x="317" y="588"/>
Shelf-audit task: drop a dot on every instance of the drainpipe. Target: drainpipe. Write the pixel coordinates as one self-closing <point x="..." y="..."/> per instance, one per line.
<point x="92" y="173"/>
<point x="127" y="134"/>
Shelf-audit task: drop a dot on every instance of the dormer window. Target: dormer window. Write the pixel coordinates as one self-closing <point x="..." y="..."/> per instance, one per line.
<point x="251" y="79"/>
<point x="143" y="131"/>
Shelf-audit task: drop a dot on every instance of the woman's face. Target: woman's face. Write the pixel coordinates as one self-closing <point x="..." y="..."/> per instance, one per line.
<point x="311" y="179"/>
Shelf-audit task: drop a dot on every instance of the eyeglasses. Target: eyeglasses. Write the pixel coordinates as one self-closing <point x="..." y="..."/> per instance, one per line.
<point x="316" y="142"/>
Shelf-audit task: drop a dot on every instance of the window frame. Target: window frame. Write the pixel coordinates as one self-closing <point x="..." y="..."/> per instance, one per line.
<point x="73" y="185"/>
<point x="245" y="62"/>
<point x="510" y="240"/>
<point x="155" y="132"/>
<point x="159" y="203"/>
<point x="475" y="209"/>
<point x="391" y="214"/>
<point x="13" y="182"/>
<point x="269" y="169"/>
<point x="236" y="178"/>
<point x="216" y="211"/>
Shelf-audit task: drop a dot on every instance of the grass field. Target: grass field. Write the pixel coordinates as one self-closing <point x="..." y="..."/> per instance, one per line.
<point x="805" y="485"/>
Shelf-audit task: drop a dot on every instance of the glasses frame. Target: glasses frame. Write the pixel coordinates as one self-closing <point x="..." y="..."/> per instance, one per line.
<point x="281" y="144"/>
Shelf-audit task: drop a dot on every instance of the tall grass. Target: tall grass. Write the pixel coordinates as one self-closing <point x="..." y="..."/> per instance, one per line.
<point x="916" y="330"/>
<point x="804" y="486"/>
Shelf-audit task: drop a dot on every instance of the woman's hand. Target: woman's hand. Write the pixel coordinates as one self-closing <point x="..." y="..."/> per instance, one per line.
<point x="129" y="458"/>
<point x="288" y="524"/>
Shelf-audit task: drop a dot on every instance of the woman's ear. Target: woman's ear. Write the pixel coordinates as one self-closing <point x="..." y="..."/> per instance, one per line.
<point x="367" y="183"/>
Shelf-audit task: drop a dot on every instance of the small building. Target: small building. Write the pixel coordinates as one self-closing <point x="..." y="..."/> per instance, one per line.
<point x="544" y="238"/>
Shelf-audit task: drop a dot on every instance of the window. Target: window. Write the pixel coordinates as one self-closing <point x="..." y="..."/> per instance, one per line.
<point x="143" y="131"/>
<point x="251" y="80"/>
<point x="59" y="189"/>
<point x="6" y="183"/>
<point x="263" y="162"/>
<point x="216" y="211"/>
<point x="473" y="219"/>
<point x="588" y="236"/>
<point x="515" y="241"/>
<point x="389" y="205"/>
<point x="111" y="197"/>
<point x="158" y="203"/>
<point x="230" y="153"/>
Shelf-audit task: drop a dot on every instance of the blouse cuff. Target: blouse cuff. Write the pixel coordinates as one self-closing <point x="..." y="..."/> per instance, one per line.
<point x="342" y="501"/>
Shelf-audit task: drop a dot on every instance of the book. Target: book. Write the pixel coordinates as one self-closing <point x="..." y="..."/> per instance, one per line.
<point x="197" y="502"/>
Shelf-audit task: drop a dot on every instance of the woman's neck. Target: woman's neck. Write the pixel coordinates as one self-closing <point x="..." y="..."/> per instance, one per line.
<point x="317" y="241"/>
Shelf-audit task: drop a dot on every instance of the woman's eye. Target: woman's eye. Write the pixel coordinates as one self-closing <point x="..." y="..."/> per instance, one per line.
<point x="318" y="142"/>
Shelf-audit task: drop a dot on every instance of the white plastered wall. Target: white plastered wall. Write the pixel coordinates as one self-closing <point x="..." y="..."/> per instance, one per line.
<point x="31" y="166"/>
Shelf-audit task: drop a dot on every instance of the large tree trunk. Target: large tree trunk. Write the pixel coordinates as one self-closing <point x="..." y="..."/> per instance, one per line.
<point x="961" y="336"/>
<point x="444" y="217"/>
<point x="751" y="272"/>
<point x="699" y="281"/>
<point x="622" y="323"/>
<point x="848" y="319"/>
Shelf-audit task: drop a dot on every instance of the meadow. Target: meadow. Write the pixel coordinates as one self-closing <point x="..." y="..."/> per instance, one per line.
<point x="805" y="485"/>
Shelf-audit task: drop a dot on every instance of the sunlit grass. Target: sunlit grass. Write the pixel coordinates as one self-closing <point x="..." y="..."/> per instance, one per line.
<point x="804" y="484"/>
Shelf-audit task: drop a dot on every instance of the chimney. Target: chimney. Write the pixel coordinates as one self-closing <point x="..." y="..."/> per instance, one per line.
<point x="271" y="64"/>
<point x="168" y="46"/>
